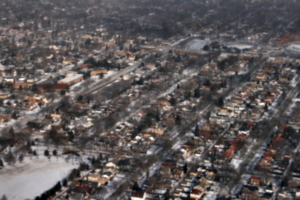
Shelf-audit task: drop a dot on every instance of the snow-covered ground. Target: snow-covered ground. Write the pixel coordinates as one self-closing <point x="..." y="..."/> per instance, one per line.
<point x="34" y="111"/>
<point x="245" y="70"/>
<point x="65" y="69"/>
<point x="196" y="44"/>
<point x="241" y="46"/>
<point x="211" y="196"/>
<point x="236" y="162"/>
<point x="31" y="178"/>
<point x="7" y="124"/>
<point x="294" y="47"/>
<point x="294" y="81"/>
<point x="178" y="42"/>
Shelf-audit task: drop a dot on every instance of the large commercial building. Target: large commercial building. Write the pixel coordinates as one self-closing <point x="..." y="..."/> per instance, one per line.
<point x="71" y="79"/>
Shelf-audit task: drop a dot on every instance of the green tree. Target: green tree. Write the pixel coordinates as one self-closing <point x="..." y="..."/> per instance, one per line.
<point x="21" y="158"/>
<point x="11" y="133"/>
<point x="173" y="101"/>
<point x="46" y="152"/>
<point x="207" y="116"/>
<point x="65" y="183"/>
<point x="57" y="186"/>
<point x="88" y="42"/>
<point x="196" y="128"/>
<point x="206" y="48"/>
<point x="220" y="102"/>
<point x="86" y="75"/>
<point x="1" y="163"/>
<point x="266" y="107"/>
<point x="34" y="88"/>
<point x="167" y="195"/>
<point x="187" y="95"/>
<point x="135" y="186"/>
<point x="197" y="93"/>
<point x="62" y="92"/>
<point x="15" y="115"/>
<point x="185" y="168"/>
<point x="207" y="83"/>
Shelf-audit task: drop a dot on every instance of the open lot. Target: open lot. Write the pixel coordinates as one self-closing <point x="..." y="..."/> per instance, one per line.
<point x="31" y="178"/>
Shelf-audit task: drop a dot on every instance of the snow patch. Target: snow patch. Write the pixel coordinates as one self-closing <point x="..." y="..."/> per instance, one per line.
<point x="196" y="44"/>
<point x="31" y="178"/>
<point x="294" y="47"/>
<point x="241" y="46"/>
<point x="236" y="162"/>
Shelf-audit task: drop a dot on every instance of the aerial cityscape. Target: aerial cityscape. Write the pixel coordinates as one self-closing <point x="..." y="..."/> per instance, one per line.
<point x="149" y="99"/>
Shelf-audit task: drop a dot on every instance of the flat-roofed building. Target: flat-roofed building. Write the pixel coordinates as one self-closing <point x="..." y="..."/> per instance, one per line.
<point x="71" y="79"/>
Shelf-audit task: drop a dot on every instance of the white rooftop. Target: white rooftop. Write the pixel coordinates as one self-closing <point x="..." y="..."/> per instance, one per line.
<point x="70" y="78"/>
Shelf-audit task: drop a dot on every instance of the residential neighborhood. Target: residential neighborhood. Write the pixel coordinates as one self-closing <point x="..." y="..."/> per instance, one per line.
<point x="147" y="100"/>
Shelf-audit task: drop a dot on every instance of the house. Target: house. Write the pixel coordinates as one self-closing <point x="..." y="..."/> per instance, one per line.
<point x="255" y="181"/>
<point x="108" y="175"/>
<point x="249" y="193"/>
<point x="4" y="118"/>
<point x="158" y="131"/>
<point x="94" y="73"/>
<point x="224" y="112"/>
<point x="97" y="178"/>
<point x="170" y="183"/>
<point x="229" y="153"/>
<point x="81" y="104"/>
<point x="4" y="95"/>
<point x="187" y="150"/>
<point x="9" y="79"/>
<point x="211" y="174"/>
<point x="178" y="173"/>
<point x="85" y="186"/>
<point x="265" y="196"/>
<point x="151" y="66"/>
<point x="55" y="115"/>
<point x="166" y="168"/>
<point x="131" y="58"/>
<point x="86" y="183"/>
<point x="177" y="193"/>
<point x="21" y="85"/>
<point x="196" y="194"/>
<point x="267" y="158"/>
<point x="111" y="165"/>
<point x="71" y="79"/>
<point x="53" y="87"/>
<point x="147" y="48"/>
<point x="138" y="195"/>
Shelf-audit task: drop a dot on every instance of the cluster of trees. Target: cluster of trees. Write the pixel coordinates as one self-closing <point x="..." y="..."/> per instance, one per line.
<point x="75" y="173"/>
<point x="50" y="193"/>
<point x="227" y="62"/>
<point x="47" y="153"/>
<point x="98" y="63"/>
